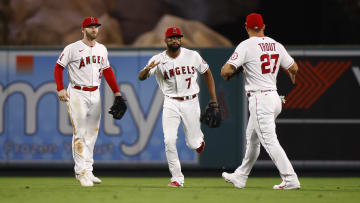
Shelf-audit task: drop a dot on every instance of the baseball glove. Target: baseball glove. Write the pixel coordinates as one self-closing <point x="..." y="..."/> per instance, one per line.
<point x="118" y="109"/>
<point x="212" y="115"/>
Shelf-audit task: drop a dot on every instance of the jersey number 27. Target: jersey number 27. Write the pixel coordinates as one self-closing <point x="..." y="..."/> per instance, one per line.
<point x="265" y="59"/>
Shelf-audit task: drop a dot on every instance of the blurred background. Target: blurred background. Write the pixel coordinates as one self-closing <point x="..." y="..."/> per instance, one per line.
<point x="319" y="127"/>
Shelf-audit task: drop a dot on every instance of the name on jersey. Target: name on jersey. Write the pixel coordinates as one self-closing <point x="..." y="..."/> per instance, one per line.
<point x="91" y="59"/>
<point x="179" y="71"/>
<point x="267" y="46"/>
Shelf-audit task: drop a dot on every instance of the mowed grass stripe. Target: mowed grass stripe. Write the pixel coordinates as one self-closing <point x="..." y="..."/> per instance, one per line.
<point x="149" y="190"/>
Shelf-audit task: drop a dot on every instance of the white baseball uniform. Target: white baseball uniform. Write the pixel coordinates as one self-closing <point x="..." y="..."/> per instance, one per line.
<point x="261" y="58"/>
<point x="85" y="65"/>
<point x="177" y="78"/>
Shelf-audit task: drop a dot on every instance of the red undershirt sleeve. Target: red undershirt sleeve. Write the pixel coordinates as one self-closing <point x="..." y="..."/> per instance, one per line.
<point x="58" y="75"/>
<point x="110" y="79"/>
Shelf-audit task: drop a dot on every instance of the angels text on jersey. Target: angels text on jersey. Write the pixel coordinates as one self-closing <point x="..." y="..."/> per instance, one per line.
<point x="85" y="64"/>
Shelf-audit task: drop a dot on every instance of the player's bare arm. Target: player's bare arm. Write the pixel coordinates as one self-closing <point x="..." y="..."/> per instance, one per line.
<point x="144" y="73"/>
<point x="209" y="80"/>
<point x="292" y="72"/>
<point x="227" y="71"/>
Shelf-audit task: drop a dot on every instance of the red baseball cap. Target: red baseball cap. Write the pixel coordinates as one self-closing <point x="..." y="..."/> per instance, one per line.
<point x="173" y="31"/>
<point x="90" y="21"/>
<point x="254" y="21"/>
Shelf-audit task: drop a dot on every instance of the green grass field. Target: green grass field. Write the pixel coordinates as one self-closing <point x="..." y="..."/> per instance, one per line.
<point x="151" y="190"/>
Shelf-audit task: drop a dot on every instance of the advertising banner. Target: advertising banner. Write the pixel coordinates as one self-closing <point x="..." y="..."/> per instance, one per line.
<point x="35" y="126"/>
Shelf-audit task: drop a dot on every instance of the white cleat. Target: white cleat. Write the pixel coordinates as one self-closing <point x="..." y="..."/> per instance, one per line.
<point x="85" y="181"/>
<point x="286" y="185"/>
<point x="238" y="182"/>
<point x="94" y="179"/>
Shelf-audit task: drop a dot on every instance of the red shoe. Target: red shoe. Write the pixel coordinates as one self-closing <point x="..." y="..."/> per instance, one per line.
<point x="174" y="184"/>
<point x="201" y="148"/>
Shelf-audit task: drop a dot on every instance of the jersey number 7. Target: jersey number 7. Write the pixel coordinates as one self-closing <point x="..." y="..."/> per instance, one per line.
<point x="189" y="82"/>
<point x="266" y="62"/>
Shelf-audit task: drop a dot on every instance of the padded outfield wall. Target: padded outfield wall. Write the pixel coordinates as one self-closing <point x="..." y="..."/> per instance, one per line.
<point x="319" y="126"/>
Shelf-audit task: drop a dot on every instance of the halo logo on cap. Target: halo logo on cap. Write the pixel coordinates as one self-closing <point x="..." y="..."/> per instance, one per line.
<point x="173" y="31"/>
<point x="90" y="21"/>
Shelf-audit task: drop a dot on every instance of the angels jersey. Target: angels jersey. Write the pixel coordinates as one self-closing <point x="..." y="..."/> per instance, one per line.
<point x="261" y="58"/>
<point x="177" y="77"/>
<point x="85" y="64"/>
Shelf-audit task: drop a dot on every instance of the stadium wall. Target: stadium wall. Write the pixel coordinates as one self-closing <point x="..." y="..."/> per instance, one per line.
<point x="318" y="128"/>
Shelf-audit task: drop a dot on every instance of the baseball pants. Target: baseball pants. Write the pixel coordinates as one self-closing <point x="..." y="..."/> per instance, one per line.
<point x="84" y="108"/>
<point x="174" y="112"/>
<point x="264" y="107"/>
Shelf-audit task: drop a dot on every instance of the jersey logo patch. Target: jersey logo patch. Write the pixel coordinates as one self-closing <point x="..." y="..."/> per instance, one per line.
<point x="81" y="50"/>
<point x="234" y="56"/>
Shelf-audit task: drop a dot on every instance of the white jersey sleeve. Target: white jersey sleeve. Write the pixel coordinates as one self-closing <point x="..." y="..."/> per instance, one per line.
<point x="65" y="56"/>
<point x="203" y="66"/>
<point x="237" y="59"/>
<point x="286" y="60"/>
<point x="106" y="63"/>
<point x="155" y="59"/>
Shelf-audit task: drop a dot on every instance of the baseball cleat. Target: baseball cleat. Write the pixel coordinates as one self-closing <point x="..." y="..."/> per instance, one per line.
<point x="94" y="179"/>
<point x="201" y="148"/>
<point x="175" y="184"/>
<point x="284" y="185"/>
<point x="236" y="181"/>
<point x="85" y="181"/>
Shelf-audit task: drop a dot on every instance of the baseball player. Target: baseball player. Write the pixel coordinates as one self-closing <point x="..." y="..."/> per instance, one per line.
<point x="176" y="72"/>
<point x="260" y="58"/>
<point x="86" y="60"/>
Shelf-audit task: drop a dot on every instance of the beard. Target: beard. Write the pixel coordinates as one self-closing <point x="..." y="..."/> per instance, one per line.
<point x="173" y="48"/>
<point x="90" y="35"/>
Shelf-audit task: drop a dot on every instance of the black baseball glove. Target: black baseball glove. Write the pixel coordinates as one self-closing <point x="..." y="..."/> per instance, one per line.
<point x="212" y="115"/>
<point x="118" y="109"/>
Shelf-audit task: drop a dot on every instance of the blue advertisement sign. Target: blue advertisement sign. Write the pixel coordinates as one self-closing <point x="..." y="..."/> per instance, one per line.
<point x="35" y="126"/>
